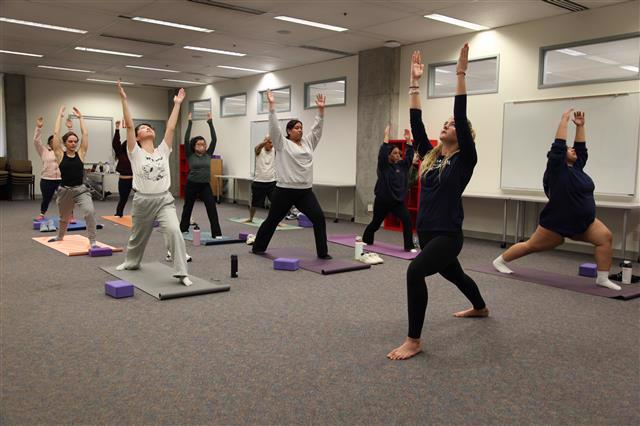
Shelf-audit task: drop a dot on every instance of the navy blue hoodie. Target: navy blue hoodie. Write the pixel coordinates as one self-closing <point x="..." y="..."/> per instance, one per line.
<point x="392" y="178"/>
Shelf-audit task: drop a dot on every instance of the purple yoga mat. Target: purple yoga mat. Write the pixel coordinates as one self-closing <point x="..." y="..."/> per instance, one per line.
<point x="310" y="262"/>
<point x="567" y="282"/>
<point x="349" y="240"/>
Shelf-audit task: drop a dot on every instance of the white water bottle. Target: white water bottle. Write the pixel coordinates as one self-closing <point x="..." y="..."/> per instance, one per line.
<point x="359" y="248"/>
<point x="196" y="236"/>
<point x="626" y="271"/>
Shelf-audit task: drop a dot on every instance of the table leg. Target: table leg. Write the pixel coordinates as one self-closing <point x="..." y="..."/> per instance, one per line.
<point x="235" y="189"/>
<point x="337" y="203"/>
<point x="503" y="244"/>
<point x="517" y="227"/>
<point x="624" y="233"/>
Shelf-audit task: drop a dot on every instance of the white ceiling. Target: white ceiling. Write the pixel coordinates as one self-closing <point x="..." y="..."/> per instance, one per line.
<point x="370" y="24"/>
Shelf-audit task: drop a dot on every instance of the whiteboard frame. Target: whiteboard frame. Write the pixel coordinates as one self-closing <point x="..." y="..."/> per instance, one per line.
<point x="111" y="157"/>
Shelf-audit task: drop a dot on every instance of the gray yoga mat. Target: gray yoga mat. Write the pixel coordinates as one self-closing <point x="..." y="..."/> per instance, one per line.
<point x="567" y="282"/>
<point x="207" y="240"/>
<point x="310" y="262"/>
<point x="158" y="281"/>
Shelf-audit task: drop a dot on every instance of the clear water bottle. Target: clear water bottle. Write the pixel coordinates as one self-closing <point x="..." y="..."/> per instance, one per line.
<point x="626" y="271"/>
<point x="196" y="235"/>
<point x="359" y="250"/>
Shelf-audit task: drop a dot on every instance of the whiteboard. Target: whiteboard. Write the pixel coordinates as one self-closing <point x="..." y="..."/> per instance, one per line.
<point x="259" y="129"/>
<point x="100" y="131"/>
<point x="612" y="123"/>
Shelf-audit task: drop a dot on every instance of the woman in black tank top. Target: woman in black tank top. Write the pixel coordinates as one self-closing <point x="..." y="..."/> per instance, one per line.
<point x="72" y="191"/>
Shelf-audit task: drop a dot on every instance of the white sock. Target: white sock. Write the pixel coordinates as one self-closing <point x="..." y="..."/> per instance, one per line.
<point x="186" y="281"/>
<point x="603" y="281"/>
<point x="121" y="267"/>
<point x="501" y="265"/>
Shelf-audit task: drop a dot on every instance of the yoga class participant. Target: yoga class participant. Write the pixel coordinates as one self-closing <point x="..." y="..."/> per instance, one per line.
<point x="444" y="173"/>
<point x="295" y="178"/>
<point x="50" y="176"/>
<point x="72" y="191"/>
<point x="264" y="180"/>
<point x="125" y="180"/>
<point x="391" y="189"/>
<point x="152" y="199"/>
<point x="199" y="178"/>
<point x="571" y="210"/>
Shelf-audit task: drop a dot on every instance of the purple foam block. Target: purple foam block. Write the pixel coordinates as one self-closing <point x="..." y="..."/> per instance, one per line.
<point x="100" y="251"/>
<point x="37" y="223"/>
<point x="156" y="223"/>
<point x="588" y="270"/>
<point x="118" y="289"/>
<point x="286" y="264"/>
<point x="304" y="222"/>
<point x="216" y="156"/>
<point x="243" y="236"/>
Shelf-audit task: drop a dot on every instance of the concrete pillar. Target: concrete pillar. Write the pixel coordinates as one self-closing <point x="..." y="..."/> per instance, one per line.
<point x="15" y="102"/>
<point x="378" y="94"/>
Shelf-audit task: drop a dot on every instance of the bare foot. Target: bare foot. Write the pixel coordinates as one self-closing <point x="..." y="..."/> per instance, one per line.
<point x="409" y="348"/>
<point x="472" y="313"/>
<point x="248" y="221"/>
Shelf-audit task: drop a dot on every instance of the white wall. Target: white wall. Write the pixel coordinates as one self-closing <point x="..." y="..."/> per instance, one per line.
<point x="44" y="97"/>
<point x="335" y="157"/>
<point x="518" y="48"/>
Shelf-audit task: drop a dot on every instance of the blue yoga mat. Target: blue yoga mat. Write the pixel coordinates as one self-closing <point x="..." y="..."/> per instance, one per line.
<point x="80" y="224"/>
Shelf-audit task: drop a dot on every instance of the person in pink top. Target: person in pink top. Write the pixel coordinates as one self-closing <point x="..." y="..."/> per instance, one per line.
<point x="50" y="177"/>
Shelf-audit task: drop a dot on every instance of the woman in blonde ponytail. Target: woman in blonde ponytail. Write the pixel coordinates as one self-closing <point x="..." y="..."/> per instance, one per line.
<point x="444" y="174"/>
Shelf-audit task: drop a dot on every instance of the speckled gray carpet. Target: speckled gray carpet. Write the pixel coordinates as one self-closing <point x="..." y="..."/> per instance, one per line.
<point x="298" y="347"/>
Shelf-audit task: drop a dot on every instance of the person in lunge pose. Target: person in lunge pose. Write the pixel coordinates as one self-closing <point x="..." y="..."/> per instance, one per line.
<point x="199" y="178"/>
<point x="444" y="173"/>
<point x="72" y="191"/>
<point x="151" y="181"/>
<point x="391" y="189"/>
<point x="295" y="178"/>
<point x="125" y="180"/>
<point x="50" y="176"/>
<point x="264" y="180"/>
<point x="571" y="210"/>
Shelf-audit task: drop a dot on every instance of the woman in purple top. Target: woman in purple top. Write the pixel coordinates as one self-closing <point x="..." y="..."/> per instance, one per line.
<point x="571" y="210"/>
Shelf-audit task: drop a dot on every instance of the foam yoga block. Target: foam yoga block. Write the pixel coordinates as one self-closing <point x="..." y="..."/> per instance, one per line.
<point x="588" y="270"/>
<point x="100" y="251"/>
<point x="118" y="289"/>
<point x="304" y="221"/>
<point x="243" y="236"/>
<point x="286" y="264"/>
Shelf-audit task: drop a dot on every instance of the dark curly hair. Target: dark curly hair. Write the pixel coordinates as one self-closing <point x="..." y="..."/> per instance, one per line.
<point x="194" y="140"/>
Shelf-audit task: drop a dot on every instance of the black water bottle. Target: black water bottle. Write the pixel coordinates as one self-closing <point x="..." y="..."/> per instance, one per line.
<point x="234" y="266"/>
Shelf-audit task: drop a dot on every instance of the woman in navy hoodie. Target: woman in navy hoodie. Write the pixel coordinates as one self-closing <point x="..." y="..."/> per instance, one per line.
<point x="391" y="189"/>
<point x="571" y="210"/>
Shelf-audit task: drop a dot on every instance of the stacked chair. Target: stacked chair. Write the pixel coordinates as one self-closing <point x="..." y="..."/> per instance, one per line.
<point x="4" y="179"/>
<point x="21" y="173"/>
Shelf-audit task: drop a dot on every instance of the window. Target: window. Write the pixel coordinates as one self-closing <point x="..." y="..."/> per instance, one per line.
<point x="233" y="105"/>
<point x="335" y="91"/>
<point x="592" y="61"/>
<point x="282" y="97"/>
<point x="200" y="109"/>
<point x="482" y="77"/>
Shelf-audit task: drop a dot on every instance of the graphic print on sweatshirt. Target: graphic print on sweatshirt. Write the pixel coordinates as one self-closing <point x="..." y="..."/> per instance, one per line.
<point x="153" y="168"/>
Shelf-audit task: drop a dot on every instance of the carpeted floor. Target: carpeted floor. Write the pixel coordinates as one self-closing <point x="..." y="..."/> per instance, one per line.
<point x="298" y="347"/>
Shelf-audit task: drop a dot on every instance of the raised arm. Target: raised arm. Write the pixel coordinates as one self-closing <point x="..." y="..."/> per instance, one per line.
<point x="408" y="152"/>
<point x="557" y="155"/>
<point x="466" y="144"/>
<point x="128" y="121"/>
<point x="84" y="142"/>
<point x="214" y="138"/>
<point x="580" y="142"/>
<point x="37" y="136"/>
<point x="56" y="143"/>
<point x="417" y="68"/>
<point x="316" y="129"/>
<point x="173" y="118"/>
<point x="187" y="137"/>
<point x="115" y="143"/>
<point x="274" y="126"/>
<point x="415" y="112"/>
<point x="260" y="146"/>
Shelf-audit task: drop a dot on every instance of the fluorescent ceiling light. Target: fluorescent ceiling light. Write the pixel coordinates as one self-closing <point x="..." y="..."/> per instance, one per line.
<point x="454" y="21"/>
<point x="39" y="25"/>
<point x="149" y="68"/>
<point x="220" y="52"/>
<point x="630" y="68"/>
<point x="11" y="52"/>
<point x="109" y="81"/>
<point x="571" y="52"/>
<point x="171" y="24"/>
<point x="602" y="60"/>
<point x="183" y="81"/>
<point x="108" y="52"/>
<point x="64" y="69"/>
<point x="310" y="23"/>
<point x="239" y="68"/>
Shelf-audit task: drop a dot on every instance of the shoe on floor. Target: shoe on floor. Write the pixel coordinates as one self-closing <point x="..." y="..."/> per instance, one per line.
<point x="251" y="239"/>
<point x="44" y="227"/>
<point x="325" y="257"/>
<point x="366" y="258"/>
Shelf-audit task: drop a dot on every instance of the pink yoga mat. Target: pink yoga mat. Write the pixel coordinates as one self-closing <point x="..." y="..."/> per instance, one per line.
<point x="349" y="240"/>
<point x="310" y="261"/>
<point x="567" y="282"/>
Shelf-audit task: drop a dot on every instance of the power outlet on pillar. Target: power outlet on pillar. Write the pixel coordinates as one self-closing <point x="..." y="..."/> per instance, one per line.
<point x="369" y="208"/>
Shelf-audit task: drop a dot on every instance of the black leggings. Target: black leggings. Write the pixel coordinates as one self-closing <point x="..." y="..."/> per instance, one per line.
<point x="124" y="189"/>
<point x="193" y="190"/>
<point x="47" y="188"/>
<point x="439" y="255"/>
<point x="306" y="201"/>
<point x="380" y="210"/>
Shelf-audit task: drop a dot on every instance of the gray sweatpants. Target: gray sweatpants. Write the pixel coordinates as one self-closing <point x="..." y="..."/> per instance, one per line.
<point x="67" y="198"/>
<point x="146" y="209"/>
